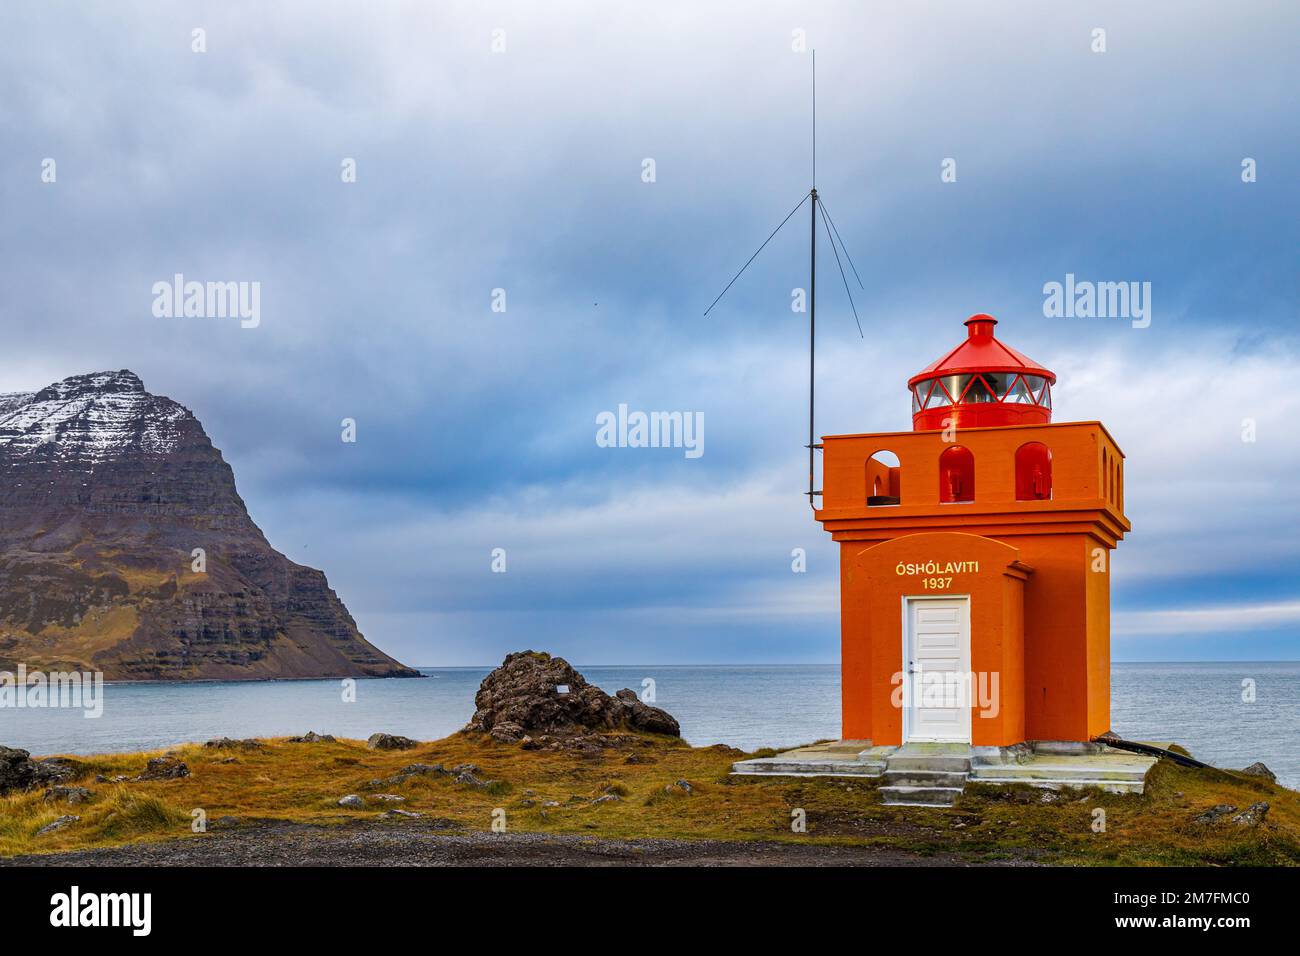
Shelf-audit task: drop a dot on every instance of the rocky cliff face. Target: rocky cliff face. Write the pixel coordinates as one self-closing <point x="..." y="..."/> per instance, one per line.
<point x="105" y="492"/>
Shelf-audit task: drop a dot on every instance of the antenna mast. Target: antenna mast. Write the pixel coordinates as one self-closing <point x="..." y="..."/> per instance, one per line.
<point x="817" y="208"/>
<point x="812" y="301"/>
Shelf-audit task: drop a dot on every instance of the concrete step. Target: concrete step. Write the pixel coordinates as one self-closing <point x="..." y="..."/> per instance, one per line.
<point x="919" y="796"/>
<point x="952" y="763"/>
<point x="1067" y="748"/>
<point x="1056" y="772"/>
<point x="775" y="767"/>
<point x="924" y="778"/>
<point x="1111" y="786"/>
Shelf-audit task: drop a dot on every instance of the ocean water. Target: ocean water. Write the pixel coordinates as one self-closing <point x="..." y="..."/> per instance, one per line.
<point x="1200" y="706"/>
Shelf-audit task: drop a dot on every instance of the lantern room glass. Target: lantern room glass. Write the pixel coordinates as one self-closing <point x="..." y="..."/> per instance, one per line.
<point x="1020" y="393"/>
<point x="955" y="385"/>
<point x="999" y="383"/>
<point x="937" y="397"/>
<point x="978" y="392"/>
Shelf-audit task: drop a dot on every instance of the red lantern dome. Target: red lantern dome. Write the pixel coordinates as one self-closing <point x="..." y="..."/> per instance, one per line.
<point x="981" y="382"/>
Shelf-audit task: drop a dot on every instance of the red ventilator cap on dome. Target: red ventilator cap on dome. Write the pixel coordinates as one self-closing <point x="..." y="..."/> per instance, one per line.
<point x="982" y="382"/>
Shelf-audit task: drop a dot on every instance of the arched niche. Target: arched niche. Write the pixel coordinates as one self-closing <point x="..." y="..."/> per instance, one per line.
<point x="1033" y="472"/>
<point x="956" y="475"/>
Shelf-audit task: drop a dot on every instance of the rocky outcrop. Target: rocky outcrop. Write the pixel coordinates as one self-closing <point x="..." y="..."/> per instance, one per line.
<point x="533" y="692"/>
<point x="421" y="770"/>
<point x="311" y="737"/>
<point x="1252" y="816"/>
<point x="67" y="795"/>
<point x="1258" y="769"/>
<point x="390" y="742"/>
<point x="64" y="821"/>
<point x="106" y="490"/>
<point x="164" y="768"/>
<point x="18" y="771"/>
<point x="226" y="743"/>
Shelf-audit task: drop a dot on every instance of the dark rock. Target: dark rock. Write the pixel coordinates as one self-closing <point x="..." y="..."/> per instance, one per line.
<point x="413" y="770"/>
<point x="1252" y="816"/>
<point x="467" y="778"/>
<point x="58" y="824"/>
<point x="225" y="743"/>
<point x="311" y="737"/>
<point x="1257" y="769"/>
<point x="422" y="769"/>
<point x="164" y="768"/>
<point x="685" y="785"/>
<point x="1216" y="812"/>
<point x="67" y="794"/>
<point x="521" y="696"/>
<point x="651" y="720"/>
<point x="390" y="742"/>
<point x="53" y="770"/>
<point x="507" y="732"/>
<point x="18" y="771"/>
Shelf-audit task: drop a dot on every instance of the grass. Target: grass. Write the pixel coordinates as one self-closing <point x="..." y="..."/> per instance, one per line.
<point x="303" y="782"/>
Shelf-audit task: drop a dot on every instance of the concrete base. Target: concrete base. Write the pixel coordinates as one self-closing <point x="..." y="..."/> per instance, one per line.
<point x="843" y="758"/>
<point x="936" y="774"/>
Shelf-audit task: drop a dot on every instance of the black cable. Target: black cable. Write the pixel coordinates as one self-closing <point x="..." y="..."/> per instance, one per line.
<point x="842" y="246"/>
<point x="842" y="275"/>
<point x="755" y="255"/>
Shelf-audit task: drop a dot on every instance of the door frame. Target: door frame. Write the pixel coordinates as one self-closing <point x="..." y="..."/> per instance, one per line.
<point x="907" y="600"/>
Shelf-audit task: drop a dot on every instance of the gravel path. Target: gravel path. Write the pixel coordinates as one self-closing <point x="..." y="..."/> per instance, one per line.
<point x="274" y="843"/>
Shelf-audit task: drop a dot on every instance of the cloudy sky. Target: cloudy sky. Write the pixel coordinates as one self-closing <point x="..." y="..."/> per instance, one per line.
<point x="521" y="169"/>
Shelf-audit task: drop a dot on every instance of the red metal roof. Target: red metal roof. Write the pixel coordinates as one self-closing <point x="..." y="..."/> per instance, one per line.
<point x="981" y="352"/>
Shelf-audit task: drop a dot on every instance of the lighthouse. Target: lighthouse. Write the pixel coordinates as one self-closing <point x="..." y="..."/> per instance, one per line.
<point x="974" y="555"/>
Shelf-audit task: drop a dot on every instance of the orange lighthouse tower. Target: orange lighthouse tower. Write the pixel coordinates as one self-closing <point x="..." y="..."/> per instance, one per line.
<point x="976" y="555"/>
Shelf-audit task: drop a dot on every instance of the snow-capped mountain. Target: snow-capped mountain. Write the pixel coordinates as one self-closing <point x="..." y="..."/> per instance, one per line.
<point x="107" y="495"/>
<point x="93" y="417"/>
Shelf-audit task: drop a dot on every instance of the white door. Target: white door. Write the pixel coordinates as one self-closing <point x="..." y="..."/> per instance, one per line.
<point x="936" y="658"/>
